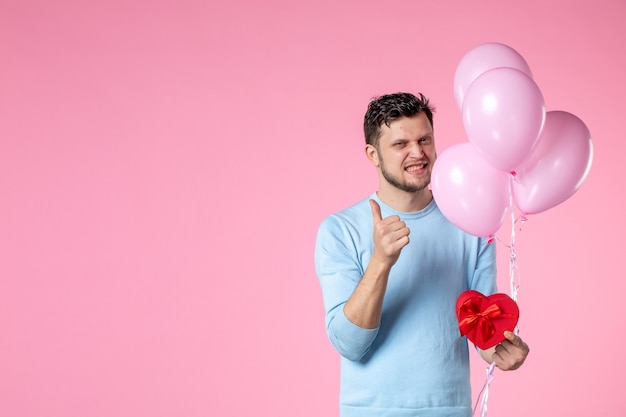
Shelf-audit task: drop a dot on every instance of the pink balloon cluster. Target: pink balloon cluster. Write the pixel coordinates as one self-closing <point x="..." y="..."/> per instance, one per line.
<point x="516" y="149"/>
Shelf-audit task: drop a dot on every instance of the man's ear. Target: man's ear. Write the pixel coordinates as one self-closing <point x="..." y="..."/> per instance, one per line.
<point x="372" y="154"/>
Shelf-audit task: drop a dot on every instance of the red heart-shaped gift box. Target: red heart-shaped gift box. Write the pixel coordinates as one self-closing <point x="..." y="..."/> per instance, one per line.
<point x="484" y="319"/>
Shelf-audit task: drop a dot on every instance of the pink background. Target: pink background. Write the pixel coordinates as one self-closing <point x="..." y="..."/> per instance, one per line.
<point x="164" y="166"/>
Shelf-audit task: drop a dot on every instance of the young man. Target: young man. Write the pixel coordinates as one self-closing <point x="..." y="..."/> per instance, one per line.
<point x="391" y="268"/>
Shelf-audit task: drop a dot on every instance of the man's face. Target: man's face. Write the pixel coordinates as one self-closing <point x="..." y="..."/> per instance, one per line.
<point x="406" y="153"/>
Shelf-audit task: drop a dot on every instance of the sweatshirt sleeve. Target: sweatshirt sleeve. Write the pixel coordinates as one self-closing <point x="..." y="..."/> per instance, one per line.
<point x="484" y="275"/>
<point x="339" y="271"/>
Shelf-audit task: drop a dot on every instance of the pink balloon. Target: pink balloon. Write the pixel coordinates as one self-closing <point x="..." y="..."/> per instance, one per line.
<point x="558" y="167"/>
<point x="481" y="59"/>
<point x="503" y="114"/>
<point x="469" y="192"/>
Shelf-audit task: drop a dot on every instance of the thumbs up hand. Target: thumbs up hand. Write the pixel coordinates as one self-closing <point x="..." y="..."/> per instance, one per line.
<point x="390" y="236"/>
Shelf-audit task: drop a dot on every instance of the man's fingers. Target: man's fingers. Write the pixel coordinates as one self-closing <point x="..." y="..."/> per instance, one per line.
<point x="390" y="234"/>
<point x="513" y="338"/>
<point x="376" y="214"/>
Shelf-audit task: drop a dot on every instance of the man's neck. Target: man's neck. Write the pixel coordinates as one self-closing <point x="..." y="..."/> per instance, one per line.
<point x="404" y="201"/>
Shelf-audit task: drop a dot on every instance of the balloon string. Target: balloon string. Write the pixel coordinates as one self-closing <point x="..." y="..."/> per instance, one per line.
<point x="514" y="278"/>
<point x="513" y="266"/>
<point x="485" y="392"/>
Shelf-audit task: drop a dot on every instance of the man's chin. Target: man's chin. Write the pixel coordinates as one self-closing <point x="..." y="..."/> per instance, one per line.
<point x="412" y="188"/>
<point x="407" y="186"/>
<point x="416" y="187"/>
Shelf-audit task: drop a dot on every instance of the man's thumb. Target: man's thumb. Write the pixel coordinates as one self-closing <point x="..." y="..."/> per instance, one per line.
<point x="376" y="214"/>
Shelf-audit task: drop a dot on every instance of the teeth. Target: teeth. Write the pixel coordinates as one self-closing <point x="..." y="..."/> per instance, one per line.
<point x="415" y="167"/>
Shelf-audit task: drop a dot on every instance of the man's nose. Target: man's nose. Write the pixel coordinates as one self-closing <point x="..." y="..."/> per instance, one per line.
<point x="416" y="149"/>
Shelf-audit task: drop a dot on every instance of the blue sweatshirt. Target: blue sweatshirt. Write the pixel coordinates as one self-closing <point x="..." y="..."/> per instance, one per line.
<point x="415" y="363"/>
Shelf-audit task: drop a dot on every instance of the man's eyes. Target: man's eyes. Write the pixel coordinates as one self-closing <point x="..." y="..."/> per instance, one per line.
<point x="425" y="140"/>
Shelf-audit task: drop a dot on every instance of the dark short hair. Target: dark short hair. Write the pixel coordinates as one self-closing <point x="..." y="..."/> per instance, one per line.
<point x="385" y="109"/>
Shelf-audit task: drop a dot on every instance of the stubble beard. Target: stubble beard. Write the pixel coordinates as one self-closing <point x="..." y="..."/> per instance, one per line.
<point x="400" y="184"/>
